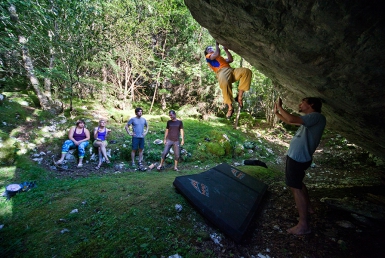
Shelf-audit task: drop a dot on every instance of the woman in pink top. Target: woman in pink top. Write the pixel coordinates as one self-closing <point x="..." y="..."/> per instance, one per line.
<point x="78" y="137"/>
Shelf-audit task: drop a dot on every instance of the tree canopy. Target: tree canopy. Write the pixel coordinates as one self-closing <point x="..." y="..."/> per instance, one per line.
<point x="120" y="52"/>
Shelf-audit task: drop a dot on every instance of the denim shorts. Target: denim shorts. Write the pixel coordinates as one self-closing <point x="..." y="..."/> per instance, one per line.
<point x="137" y="143"/>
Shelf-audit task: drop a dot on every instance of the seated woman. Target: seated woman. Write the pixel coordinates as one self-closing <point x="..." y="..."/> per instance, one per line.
<point x="100" y="135"/>
<point x="78" y="137"/>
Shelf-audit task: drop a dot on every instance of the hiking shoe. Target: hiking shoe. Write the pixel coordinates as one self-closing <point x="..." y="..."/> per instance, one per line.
<point x="142" y="169"/>
<point x="133" y="164"/>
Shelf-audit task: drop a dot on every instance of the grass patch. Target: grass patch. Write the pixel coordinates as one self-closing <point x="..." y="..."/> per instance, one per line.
<point x="130" y="215"/>
<point x="119" y="215"/>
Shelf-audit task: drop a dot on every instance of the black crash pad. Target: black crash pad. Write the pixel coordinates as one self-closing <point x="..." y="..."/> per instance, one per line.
<point x="224" y="195"/>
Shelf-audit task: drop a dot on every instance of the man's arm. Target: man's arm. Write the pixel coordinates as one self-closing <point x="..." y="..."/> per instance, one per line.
<point x="216" y="53"/>
<point x="229" y="58"/>
<point x="182" y="135"/>
<point x="165" y="136"/>
<point x="286" y="116"/>
<point x="146" y="131"/>
<point x="127" y="127"/>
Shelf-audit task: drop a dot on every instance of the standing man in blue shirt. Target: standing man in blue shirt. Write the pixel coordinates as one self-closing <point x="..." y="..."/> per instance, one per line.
<point x="138" y="133"/>
<point x="299" y="156"/>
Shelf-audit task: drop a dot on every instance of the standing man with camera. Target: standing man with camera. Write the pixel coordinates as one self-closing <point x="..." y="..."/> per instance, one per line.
<point x="300" y="154"/>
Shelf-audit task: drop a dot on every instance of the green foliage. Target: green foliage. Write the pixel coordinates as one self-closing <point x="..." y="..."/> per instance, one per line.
<point x="126" y="214"/>
<point x="120" y="52"/>
<point x="267" y="175"/>
<point x="246" y="119"/>
<point x="215" y="149"/>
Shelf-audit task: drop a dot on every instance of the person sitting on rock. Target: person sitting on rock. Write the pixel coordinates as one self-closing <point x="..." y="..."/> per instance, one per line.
<point x="100" y="135"/>
<point x="227" y="75"/>
<point x="78" y="137"/>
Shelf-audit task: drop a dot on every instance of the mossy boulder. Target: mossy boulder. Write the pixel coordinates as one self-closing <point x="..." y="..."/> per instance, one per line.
<point x="215" y="148"/>
<point x="239" y="149"/>
<point x="217" y="144"/>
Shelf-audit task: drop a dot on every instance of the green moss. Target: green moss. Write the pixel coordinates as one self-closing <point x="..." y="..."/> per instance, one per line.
<point x="245" y="119"/>
<point x="215" y="149"/>
<point x="239" y="149"/>
<point x="164" y="118"/>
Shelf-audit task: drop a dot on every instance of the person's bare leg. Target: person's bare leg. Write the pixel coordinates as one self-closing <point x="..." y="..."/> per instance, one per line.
<point x="309" y="208"/>
<point x="160" y="165"/>
<point x="230" y="110"/>
<point x="80" y="162"/>
<point x="140" y="155"/>
<point x="104" y="152"/>
<point x="60" y="161"/>
<point x="176" y="152"/>
<point x="239" y="98"/>
<point x="133" y="156"/>
<point x="100" y="158"/>
<point x="300" y="200"/>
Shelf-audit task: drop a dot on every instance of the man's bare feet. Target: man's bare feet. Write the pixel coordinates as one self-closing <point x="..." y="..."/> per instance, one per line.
<point x="229" y="113"/>
<point x="299" y="230"/>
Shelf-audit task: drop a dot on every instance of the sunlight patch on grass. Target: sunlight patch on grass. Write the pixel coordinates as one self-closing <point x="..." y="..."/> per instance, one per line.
<point x="6" y="174"/>
<point x="5" y="208"/>
<point x="7" y="149"/>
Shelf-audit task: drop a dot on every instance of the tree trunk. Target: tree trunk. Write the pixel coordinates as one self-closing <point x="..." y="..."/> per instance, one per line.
<point x="45" y="101"/>
<point x="47" y="80"/>
<point x="104" y="92"/>
<point x="271" y="118"/>
<point x="157" y="80"/>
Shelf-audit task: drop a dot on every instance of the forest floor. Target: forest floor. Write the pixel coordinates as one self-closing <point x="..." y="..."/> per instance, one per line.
<point x="335" y="232"/>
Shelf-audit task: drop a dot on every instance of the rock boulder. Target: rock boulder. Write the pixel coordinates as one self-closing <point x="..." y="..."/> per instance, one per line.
<point x="333" y="49"/>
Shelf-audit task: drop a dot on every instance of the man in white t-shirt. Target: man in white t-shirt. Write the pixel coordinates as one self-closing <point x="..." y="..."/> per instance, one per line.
<point x="299" y="156"/>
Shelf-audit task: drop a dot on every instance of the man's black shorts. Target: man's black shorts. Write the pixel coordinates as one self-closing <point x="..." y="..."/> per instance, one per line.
<point x="295" y="172"/>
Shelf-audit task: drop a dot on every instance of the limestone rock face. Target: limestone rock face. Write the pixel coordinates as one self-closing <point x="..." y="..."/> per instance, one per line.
<point x="333" y="49"/>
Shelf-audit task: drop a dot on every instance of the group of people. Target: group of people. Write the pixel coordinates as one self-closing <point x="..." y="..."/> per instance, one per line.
<point x="299" y="155"/>
<point x="173" y="137"/>
<point x="79" y="137"/>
